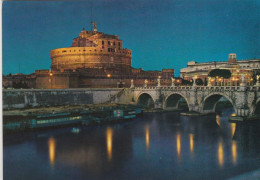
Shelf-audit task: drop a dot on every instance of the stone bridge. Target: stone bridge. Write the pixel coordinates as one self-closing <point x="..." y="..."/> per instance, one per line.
<point x="244" y="99"/>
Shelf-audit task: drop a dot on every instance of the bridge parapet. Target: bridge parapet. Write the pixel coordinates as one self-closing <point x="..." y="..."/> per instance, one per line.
<point x="202" y="87"/>
<point x="243" y="98"/>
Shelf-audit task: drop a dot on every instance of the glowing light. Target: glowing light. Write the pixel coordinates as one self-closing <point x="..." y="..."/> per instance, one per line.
<point x="220" y="154"/>
<point x="52" y="146"/>
<point x="159" y="77"/>
<point x="147" y="137"/>
<point x="178" y="143"/>
<point x="234" y="114"/>
<point x="234" y="152"/>
<point x="51" y="74"/>
<point x="108" y="75"/>
<point x="191" y="143"/>
<point x="109" y="134"/>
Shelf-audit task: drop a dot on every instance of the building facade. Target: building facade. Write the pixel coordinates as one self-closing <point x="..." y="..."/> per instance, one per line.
<point x="238" y="69"/>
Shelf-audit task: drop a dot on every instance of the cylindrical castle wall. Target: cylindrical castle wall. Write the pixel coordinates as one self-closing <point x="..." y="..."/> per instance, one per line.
<point x="89" y="57"/>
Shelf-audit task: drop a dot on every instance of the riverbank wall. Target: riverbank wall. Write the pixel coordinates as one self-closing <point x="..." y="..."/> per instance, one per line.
<point x="27" y="98"/>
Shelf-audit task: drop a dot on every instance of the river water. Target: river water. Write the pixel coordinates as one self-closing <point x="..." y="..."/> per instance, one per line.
<point x="154" y="146"/>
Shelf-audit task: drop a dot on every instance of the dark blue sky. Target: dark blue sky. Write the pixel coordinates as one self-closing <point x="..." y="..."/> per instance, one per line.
<point x="161" y="34"/>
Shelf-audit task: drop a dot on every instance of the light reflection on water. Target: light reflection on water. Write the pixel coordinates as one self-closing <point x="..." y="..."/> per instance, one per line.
<point x="191" y="144"/>
<point x="117" y="151"/>
<point x="109" y="134"/>
<point x="178" y="145"/>
<point x="218" y="120"/>
<point x="52" y="146"/>
<point x="220" y="153"/>
<point x="234" y="152"/>
<point x="232" y="128"/>
<point x="147" y="137"/>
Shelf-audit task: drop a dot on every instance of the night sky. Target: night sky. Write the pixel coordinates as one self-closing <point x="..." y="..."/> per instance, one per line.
<point x="161" y="34"/>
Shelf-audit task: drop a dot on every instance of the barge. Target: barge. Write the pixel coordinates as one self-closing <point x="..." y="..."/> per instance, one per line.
<point x="79" y="117"/>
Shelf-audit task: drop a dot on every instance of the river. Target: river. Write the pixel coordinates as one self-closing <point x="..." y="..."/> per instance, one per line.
<point x="154" y="146"/>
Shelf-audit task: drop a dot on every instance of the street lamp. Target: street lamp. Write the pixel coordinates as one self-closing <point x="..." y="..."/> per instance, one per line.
<point x="51" y="74"/>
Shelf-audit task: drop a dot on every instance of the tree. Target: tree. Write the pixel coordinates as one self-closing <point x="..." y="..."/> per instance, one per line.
<point x="186" y="82"/>
<point x="205" y="82"/>
<point x="199" y="82"/>
<point x="255" y="74"/>
<point x="224" y="73"/>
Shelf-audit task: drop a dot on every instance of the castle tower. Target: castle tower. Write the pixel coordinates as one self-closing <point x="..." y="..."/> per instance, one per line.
<point x="92" y="49"/>
<point x="232" y="58"/>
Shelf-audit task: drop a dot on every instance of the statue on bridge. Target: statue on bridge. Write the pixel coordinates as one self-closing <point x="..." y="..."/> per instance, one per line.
<point x="257" y="80"/>
<point x="209" y="81"/>
<point x="158" y="82"/>
<point x="194" y="81"/>
<point x="243" y="80"/>
<point x="132" y="84"/>
<point x="173" y="80"/>
<point x="145" y="82"/>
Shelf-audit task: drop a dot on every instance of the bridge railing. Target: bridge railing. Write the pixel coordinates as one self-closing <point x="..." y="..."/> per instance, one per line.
<point x="226" y="88"/>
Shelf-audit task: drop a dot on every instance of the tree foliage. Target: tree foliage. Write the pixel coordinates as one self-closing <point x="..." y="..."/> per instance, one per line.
<point x="224" y="73"/>
<point x="186" y="82"/>
<point x="255" y="74"/>
<point x="199" y="82"/>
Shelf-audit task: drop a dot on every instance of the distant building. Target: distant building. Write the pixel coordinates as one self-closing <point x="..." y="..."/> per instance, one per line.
<point x="19" y="80"/>
<point x="238" y="68"/>
<point x="95" y="60"/>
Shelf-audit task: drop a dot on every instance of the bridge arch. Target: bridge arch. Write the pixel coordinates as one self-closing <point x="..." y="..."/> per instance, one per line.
<point x="145" y="100"/>
<point x="210" y="102"/>
<point x="173" y="100"/>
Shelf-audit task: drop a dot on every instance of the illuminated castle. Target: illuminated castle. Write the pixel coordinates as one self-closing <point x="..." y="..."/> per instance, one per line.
<point x="92" y="49"/>
<point x="95" y="60"/>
